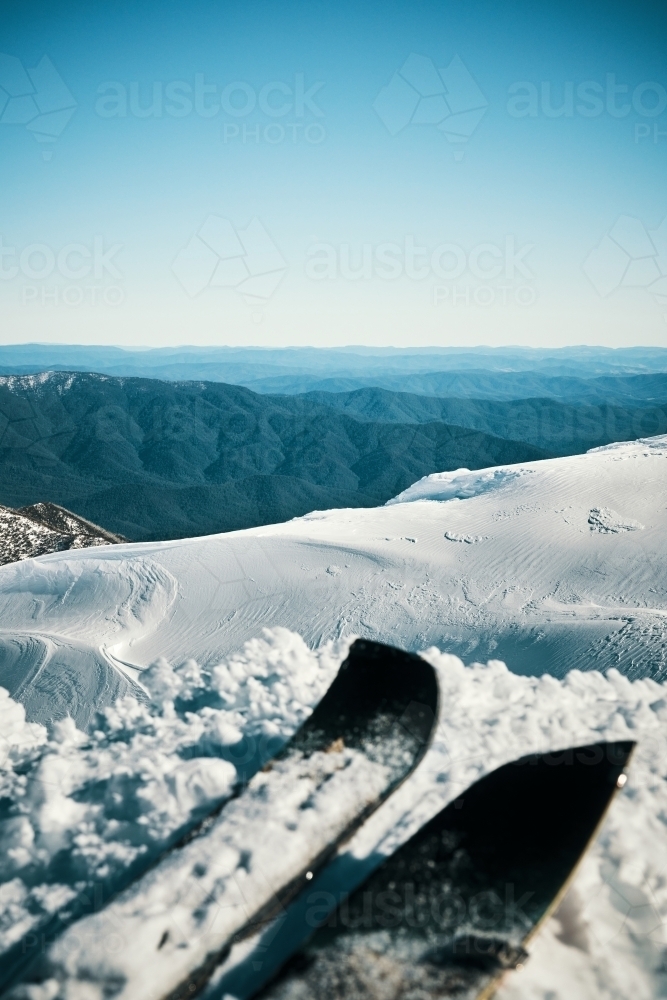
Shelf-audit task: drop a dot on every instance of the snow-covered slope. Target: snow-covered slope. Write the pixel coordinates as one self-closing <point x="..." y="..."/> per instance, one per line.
<point x="548" y="566"/>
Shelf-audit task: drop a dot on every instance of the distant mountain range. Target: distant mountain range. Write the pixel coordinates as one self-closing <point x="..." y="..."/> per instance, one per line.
<point x="556" y="427"/>
<point x="572" y="374"/>
<point x="616" y="389"/>
<point x="167" y="457"/>
<point x="578" y="360"/>
<point x="152" y="459"/>
<point x="632" y="377"/>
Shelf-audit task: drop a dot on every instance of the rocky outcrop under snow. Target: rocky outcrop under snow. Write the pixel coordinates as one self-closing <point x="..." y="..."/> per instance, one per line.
<point x="46" y="527"/>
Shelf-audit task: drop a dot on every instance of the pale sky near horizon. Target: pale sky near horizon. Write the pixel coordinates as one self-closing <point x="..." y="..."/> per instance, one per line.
<point x="273" y="174"/>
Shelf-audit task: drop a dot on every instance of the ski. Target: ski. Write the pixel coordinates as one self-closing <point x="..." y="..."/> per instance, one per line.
<point x="454" y="909"/>
<point x="163" y="935"/>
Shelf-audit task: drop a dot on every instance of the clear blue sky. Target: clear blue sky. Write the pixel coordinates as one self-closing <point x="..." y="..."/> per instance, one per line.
<point x="372" y="227"/>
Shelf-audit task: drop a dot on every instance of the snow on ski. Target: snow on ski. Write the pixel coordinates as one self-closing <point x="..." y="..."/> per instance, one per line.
<point x="454" y="908"/>
<point x="163" y="935"/>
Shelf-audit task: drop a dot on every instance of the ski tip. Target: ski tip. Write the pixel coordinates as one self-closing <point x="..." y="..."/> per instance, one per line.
<point x="380" y="692"/>
<point x="406" y="683"/>
<point x="545" y="809"/>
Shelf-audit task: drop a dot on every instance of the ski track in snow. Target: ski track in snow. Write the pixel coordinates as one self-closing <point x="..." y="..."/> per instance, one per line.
<point x="546" y="590"/>
<point x="69" y="646"/>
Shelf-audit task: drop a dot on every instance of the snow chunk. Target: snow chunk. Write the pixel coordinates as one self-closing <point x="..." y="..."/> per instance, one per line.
<point x="607" y="522"/>
<point x="85" y="809"/>
<point x="454" y="536"/>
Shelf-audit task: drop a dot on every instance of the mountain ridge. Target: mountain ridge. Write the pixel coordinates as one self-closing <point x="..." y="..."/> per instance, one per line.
<point x="87" y="441"/>
<point x="557" y="427"/>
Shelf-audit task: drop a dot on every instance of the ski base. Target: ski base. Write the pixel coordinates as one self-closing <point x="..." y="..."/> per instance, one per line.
<point x="454" y="909"/>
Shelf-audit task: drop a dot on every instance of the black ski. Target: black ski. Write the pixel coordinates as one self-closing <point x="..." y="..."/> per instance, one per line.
<point x="453" y="909"/>
<point x="178" y="921"/>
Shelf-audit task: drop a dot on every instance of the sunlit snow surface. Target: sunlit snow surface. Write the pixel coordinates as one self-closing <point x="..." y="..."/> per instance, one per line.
<point x="542" y="588"/>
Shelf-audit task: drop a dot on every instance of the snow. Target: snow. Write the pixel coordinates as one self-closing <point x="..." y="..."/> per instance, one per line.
<point x="117" y="797"/>
<point x="455" y="536"/>
<point x="459" y="485"/>
<point x="609" y="937"/>
<point x="541" y="591"/>
<point x="608" y="522"/>
<point x="201" y="895"/>
<point x="138" y="643"/>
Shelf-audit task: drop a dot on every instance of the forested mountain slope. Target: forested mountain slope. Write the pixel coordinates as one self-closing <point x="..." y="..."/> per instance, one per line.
<point x="153" y="459"/>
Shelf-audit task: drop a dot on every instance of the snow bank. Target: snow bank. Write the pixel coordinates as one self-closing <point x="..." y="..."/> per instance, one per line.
<point x="655" y="446"/>
<point x="86" y="809"/>
<point x="462" y="484"/>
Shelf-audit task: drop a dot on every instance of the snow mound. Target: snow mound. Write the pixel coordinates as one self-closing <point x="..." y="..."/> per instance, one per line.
<point x="459" y="485"/>
<point x="77" y="628"/>
<point x="80" y="657"/>
<point x="84" y="810"/>
<point x="607" y="522"/>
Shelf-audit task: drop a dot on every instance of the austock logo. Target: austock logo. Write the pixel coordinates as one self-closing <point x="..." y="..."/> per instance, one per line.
<point x="420" y="94"/>
<point x="487" y="274"/>
<point x="406" y="904"/>
<point x="75" y="274"/>
<point x="277" y="112"/>
<point x="591" y="99"/>
<point x="220" y="256"/>
<point x="37" y="98"/>
<point x="630" y="256"/>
